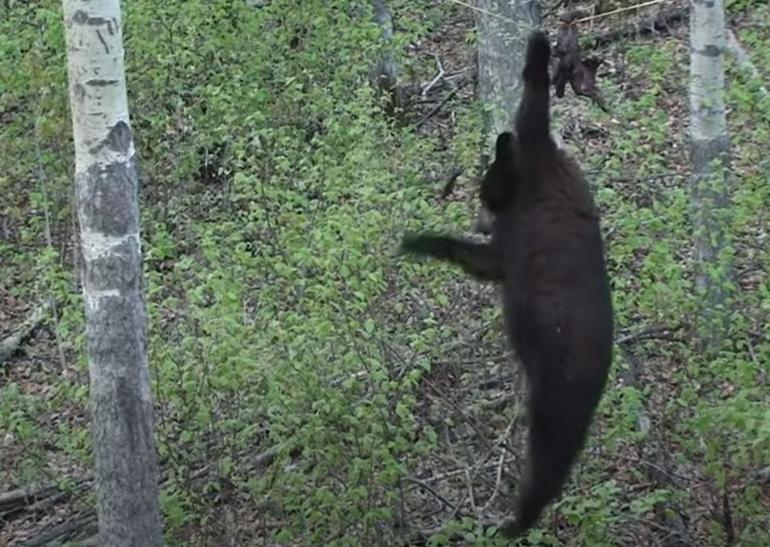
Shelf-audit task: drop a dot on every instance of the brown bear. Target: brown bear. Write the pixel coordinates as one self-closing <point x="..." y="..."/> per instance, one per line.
<point x="546" y="251"/>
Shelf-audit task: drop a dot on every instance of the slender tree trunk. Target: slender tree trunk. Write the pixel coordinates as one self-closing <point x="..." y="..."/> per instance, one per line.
<point x="710" y="159"/>
<point x="386" y="71"/>
<point x="502" y="27"/>
<point x="106" y="194"/>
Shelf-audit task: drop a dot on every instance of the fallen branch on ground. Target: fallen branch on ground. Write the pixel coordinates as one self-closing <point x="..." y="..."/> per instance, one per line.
<point x="16" y="500"/>
<point x="82" y="526"/>
<point x="653" y="333"/>
<point x="436" y="108"/>
<point x="11" y="343"/>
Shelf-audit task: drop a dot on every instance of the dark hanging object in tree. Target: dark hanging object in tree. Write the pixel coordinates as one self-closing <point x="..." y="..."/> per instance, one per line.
<point x="571" y="67"/>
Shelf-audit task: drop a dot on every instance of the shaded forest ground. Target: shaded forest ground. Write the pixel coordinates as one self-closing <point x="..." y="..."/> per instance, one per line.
<point x="679" y="451"/>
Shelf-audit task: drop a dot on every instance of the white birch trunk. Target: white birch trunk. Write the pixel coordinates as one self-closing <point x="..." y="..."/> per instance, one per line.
<point x="106" y="194"/>
<point x="710" y="144"/>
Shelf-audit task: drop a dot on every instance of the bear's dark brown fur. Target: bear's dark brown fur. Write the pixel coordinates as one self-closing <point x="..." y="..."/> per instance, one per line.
<point x="546" y="251"/>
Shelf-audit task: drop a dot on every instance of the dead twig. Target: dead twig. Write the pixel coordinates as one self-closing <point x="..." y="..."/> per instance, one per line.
<point x="484" y="11"/>
<point x="652" y="333"/>
<point x="428" y="488"/>
<point x="500" y="464"/>
<point x="619" y="10"/>
<point x="436" y="108"/>
<point x="452" y="474"/>
<point x="499" y="403"/>
<point x="10" y="344"/>
<point x="435" y="80"/>
<point x="17" y="500"/>
<point x="656" y="23"/>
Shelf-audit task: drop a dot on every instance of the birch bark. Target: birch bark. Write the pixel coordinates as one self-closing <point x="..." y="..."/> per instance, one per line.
<point x="106" y="194"/>
<point x="709" y="148"/>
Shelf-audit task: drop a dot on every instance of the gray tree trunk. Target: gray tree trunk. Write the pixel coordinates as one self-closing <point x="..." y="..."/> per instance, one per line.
<point x="106" y="195"/>
<point x="386" y="71"/>
<point x="710" y="145"/>
<point x="503" y="27"/>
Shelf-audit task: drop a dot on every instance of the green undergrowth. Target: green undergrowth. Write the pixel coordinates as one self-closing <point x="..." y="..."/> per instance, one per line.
<point x="288" y="340"/>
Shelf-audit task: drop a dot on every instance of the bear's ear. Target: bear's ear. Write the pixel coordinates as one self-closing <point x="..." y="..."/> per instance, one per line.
<point x="504" y="148"/>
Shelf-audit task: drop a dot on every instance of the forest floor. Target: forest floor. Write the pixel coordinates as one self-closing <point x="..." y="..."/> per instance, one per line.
<point x="473" y="396"/>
